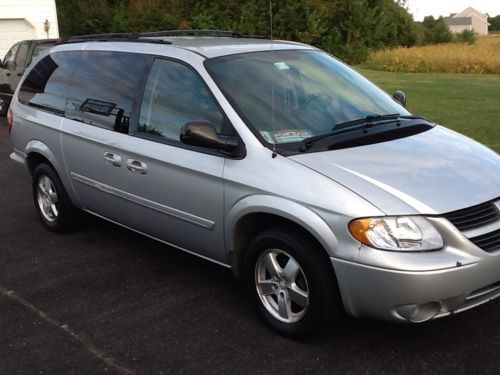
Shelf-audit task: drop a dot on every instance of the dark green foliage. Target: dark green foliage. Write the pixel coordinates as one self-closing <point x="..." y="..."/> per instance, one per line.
<point x="465" y="36"/>
<point x="494" y="23"/>
<point x="347" y="28"/>
<point x="436" y="31"/>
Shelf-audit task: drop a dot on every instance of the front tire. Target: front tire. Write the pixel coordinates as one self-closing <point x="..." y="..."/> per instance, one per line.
<point x="51" y="200"/>
<point x="292" y="282"/>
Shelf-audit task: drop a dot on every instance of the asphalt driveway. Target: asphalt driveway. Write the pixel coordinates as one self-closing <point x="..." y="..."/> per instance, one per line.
<point x="104" y="300"/>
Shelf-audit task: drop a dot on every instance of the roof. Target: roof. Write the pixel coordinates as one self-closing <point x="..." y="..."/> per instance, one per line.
<point x="458" y="21"/>
<point x="206" y="46"/>
<point x="221" y="46"/>
<point x="470" y="11"/>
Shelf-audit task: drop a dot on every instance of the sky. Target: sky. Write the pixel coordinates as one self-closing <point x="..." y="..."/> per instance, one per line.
<point x="436" y="8"/>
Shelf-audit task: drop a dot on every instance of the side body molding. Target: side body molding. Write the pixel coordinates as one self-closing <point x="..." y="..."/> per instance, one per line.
<point x="287" y="209"/>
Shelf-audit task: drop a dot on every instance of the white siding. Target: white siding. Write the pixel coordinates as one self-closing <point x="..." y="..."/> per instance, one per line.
<point x="479" y="21"/>
<point x="459" y="28"/>
<point x="24" y="19"/>
<point x="479" y="26"/>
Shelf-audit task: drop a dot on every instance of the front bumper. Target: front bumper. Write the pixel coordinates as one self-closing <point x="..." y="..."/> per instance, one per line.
<point x="416" y="287"/>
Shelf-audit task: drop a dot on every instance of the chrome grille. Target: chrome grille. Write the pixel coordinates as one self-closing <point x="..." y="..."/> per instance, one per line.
<point x="474" y="217"/>
<point x="489" y="241"/>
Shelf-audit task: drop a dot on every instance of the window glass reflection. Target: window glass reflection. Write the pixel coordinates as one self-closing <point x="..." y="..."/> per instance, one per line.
<point x="46" y="85"/>
<point x="104" y="87"/>
<point x="175" y="95"/>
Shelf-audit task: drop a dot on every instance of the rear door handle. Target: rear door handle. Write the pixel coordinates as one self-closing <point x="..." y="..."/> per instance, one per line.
<point x="115" y="160"/>
<point x="137" y="166"/>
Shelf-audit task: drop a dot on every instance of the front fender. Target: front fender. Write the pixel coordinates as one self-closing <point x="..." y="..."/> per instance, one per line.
<point x="293" y="211"/>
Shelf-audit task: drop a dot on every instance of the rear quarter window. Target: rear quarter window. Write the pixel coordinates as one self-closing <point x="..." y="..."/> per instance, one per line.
<point x="46" y="84"/>
<point x="39" y="48"/>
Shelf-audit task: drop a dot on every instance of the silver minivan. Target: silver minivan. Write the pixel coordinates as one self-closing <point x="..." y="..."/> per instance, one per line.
<point x="319" y="190"/>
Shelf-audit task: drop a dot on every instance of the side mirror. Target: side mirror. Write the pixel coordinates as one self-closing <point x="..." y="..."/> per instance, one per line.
<point x="202" y="133"/>
<point x="400" y="97"/>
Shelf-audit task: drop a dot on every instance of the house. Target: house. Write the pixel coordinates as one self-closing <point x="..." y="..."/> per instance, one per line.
<point x="27" y="19"/>
<point x="469" y="19"/>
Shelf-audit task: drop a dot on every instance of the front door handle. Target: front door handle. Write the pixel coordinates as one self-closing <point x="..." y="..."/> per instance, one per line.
<point x="115" y="160"/>
<point x="137" y="166"/>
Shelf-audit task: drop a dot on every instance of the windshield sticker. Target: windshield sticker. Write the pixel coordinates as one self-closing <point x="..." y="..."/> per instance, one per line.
<point x="281" y="65"/>
<point x="285" y="136"/>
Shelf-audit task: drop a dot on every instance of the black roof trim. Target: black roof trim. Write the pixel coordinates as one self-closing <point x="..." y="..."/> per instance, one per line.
<point x="146" y="37"/>
<point x="202" y="32"/>
<point x="111" y="37"/>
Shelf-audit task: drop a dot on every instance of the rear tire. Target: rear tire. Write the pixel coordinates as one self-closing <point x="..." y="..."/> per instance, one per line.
<point x="51" y="200"/>
<point x="3" y="111"/>
<point x="292" y="282"/>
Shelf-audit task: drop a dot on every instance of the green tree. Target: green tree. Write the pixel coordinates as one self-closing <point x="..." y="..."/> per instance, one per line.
<point x="494" y="23"/>
<point x="436" y="31"/>
<point x="347" y="28"/>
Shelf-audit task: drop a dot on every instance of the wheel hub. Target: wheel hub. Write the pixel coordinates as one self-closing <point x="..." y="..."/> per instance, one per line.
<point x="281" y="285"/>
<point x="47" y="198"/>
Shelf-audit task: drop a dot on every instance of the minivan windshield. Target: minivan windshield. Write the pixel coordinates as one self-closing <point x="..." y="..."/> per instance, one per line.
<point x="288" y="96"/>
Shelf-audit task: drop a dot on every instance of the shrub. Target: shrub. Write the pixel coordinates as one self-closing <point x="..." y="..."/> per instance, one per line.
<point x="465" y="36"/>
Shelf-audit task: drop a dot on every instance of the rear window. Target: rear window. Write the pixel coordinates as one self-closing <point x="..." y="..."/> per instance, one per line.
<point x="46" y="85"/>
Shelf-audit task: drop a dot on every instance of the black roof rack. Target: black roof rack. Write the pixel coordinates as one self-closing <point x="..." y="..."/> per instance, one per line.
<point x="146" y="37"/>
<point x="202" y="32"/>
<point x="110" y="37"/>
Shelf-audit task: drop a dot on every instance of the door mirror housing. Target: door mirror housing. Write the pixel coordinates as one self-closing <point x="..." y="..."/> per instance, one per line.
<point x="202" y="133"/>
<point x="400" y="97"/>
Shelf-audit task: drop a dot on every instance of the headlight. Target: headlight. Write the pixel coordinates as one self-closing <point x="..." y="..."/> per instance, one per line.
<point x="397" y="233"/>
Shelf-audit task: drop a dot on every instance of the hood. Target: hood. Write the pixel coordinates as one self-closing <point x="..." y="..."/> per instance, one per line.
<point x="433" y="172"/>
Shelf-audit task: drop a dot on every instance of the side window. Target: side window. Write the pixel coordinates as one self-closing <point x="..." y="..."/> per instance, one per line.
<point x="22" y="56"/>
<point x="46" y="85"/>
<point x="174" y="95"/>
<point x="10" y="57"/>
<point x="104" y="87"/>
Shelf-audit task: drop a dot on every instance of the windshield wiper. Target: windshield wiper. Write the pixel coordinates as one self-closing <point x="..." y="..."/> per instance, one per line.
<point x="348" y="126"/>
<point x="366" y="121"/>
<point x="364" y="124"/>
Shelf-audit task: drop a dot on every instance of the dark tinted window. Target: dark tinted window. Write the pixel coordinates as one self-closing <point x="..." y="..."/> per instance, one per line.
<point x="175" y="95"/>
<point x="104" y="87"/>
<point x="46" y="85"/>
<point x="22" y="55"/>
<point x="10" y="57"/>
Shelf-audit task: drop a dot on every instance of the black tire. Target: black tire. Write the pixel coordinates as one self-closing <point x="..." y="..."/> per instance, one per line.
<point x="3" y="112"/>
<point x="64" y="214"/>
<point x="324" y="304"/>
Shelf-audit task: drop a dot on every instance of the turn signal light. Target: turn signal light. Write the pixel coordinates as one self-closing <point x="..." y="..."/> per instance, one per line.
<point x="10" y="120"/>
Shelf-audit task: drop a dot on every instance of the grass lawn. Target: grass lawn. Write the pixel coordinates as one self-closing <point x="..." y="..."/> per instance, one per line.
<point x="467" y="103"/>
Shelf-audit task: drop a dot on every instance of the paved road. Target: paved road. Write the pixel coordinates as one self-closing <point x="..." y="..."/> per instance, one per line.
<point x="104" y="300"/>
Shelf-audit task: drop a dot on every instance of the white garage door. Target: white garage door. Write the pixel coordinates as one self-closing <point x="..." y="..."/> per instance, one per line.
<point x="12" y="31"/>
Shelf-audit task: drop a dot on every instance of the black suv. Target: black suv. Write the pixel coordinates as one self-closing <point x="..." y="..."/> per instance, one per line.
<point x="12" y="68"/>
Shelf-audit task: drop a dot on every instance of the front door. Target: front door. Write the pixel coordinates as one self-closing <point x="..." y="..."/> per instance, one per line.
<point x="177" y="190"/>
